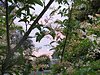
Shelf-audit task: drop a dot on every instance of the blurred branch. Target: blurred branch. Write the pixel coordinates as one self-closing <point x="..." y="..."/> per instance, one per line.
<point x="2" y="2"/>
<point x="7" y="27"/>
<point x="9" y="55"/>
<point x="67" y="32"/>
<point x="12" y="64"/>
<point x="8" y="41"/>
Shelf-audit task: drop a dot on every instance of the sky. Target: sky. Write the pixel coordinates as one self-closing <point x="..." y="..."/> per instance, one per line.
<point x="44" y="41"/>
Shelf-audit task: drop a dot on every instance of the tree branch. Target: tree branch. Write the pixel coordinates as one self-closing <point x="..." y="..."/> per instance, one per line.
<point x="12" y="21"/>
<point x="9" y="55"/>
<point x="3" y="3"/>
<point x="34" y="23"/>
<point x="7" y="27"/>
<point x="13" y="64"/>
<point x="67" y="32"/>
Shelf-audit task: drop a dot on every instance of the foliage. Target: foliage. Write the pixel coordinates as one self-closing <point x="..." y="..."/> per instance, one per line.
<point x="18" y="60"/>
<point x="80" y="47"/>
<point x="12" y="60"/>
<point x="43" y="62"/>
<point x="78" y="51"/>
<point x="16" y="36"/>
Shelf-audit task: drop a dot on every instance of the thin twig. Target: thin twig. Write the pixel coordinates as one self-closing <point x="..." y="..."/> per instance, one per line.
<point x="67" y="32"/>
<point x="48" y="19"/>
<point x="12" y="21"/>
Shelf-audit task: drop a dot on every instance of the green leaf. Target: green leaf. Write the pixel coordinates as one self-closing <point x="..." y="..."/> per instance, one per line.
<point x="0" y="37"/>
<point x="22" y="31"/>
<point x="32" y="55"/>
<point x="20" y="50"/>
<point x="86" y="3"/>
<point x="11" y="16"/>
<point x="22" y="20"/>
<point x="1" y="8"/>
<point x="95" y="42"/>
<point x="59" y="7"/>
<point x="11" y="7"/>
<point x="3" y="47"/>
<point x="55" y="65"/>
<point x="66" y="2"/>
<point x="35" y="1"/>
<point x="58" y="37"/>
<point x="10" y="1"/>
<point x="53" y="34"/>
<point x="20" y="0"/>
<point x="17" y="73"/>
<point x="98" y="18"/>
<point x="39" y="27"/>
<point x="32" y="7"/>
<point x="27" y="9"/>
<point x="40" y="36"/>
<point x="18" y="12"/>
<point x="52" y="42"/>
<point x="15" y="1"/>
<point x="48" y="28"/>
<point x="32" y="18"/>
<point x="25" y="19"/>
<point x="59" y="1"/>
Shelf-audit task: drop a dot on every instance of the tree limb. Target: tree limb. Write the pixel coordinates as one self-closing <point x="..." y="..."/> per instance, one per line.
<point x="67" y="32"/>
<point x="31" y="28"/>
<point x="9" y="55"/>
<point x="7" y="27"/>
